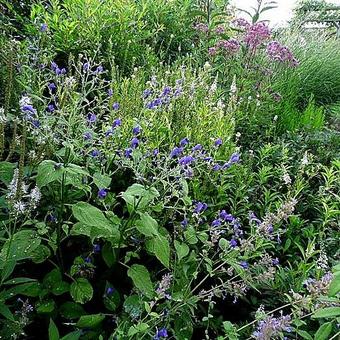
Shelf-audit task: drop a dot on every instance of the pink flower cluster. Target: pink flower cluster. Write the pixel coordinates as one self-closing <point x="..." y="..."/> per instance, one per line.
<point x="281" y="53"/>
<point x="231" y="46"/>
<point x="257" y="34"/>
<point x="241" y="23"/>
<point x="202" y="28"/>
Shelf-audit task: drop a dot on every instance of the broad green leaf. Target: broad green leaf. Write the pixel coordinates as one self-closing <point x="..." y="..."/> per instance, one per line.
<point x="138" y="198"/>
<point x="334" y="287"/>
<point x="7" y="268"/>
<point x="48" y="172"/>
<point x="328" y="312"/>
<point x="111" y="299"/>
<point x="147" y="225"/>
<point x="141" y="279"/>
<point x="6" y="172"/>
<point x="71" y="310"/>
<point x="109" y="254"/>
<point x="90" y="321"/>
<point x="182" y="250"/>
<point x="139" y="328"/>
<point x="324" y="331"/>
<point x="132" y="305"/>
<point x="190" y="235"/>
<point x="45" y="307"/>
<point x="19" y="247"/>
<point x="53" y="333"/>
<point x="41" y="254"/>
<point x="162" y="249"/>
<point x="19" y="280"/>
<point x="75" y="335"/>
<point x="81" y="290"/>
<point x="101" y="181"/>
<point x="304" y="334"/>
<point x="89" y="215"/>
<point x="5" y="312"/>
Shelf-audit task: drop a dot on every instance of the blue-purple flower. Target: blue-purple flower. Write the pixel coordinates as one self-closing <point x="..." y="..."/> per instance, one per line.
<point x="200" y="207"/>
<point x="186" y="160"/>
<point x="176" y="151"/>
<point x="223" y="215"/>
<point x="136" y="130"/>
<point x="102" y="193"/>
<point x="115" y="106"/>
<point x="116" y="122"/>
<point x="197" y="147"/>
<point x="52" y="87"/>
<point x="216" y="223"/>
<point x="87" y="135"/>
<point x="91" y="118"/>
<point x="109" y="291"/>
<point x="128" y="152"/>
<point x="95" y="153"/>
<point x="162" y="333"/>
<point x="96" y="248"/>
<point x="244" y="264"/>
<point x="218" y="142"/>
<point x="184" y="142"/>
<point x="233" y="243"/>
<point x="43" y="27"/>
<point x="50" y="108"/>
<point x="134" y="142"/>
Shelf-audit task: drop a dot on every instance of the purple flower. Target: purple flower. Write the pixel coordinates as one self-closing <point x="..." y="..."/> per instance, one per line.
<point x="162" y="333"/>
<point x="224" y="216"/>
<point x="136" y="130"/>
<point x="218" y="142"/>
<point x="186" y="160"/>
<point x="134" y="142"/>
<point x="166" y="91"/>
<point x="202" y="28"/>
<point x="278" y="52"/>
<point x="216" y="223"/>
<point x="200" y="207"/>
<point x="185" y="222"/>
<point x="115" y="106"/>
<point x="109" y="291"/>
<point x="99" y="69"/>
<point x="96" y="248"/>
<point x="87" y="259"/>
<point x="95" y="153"/>
<point x="36" y="123"/>
<point x="232" y="46"/>
<point x="54" y="66"/>
<point x="91" y="118"/>
<point x="52" y="87"/>
<point x="155" y="152"/>
<point x="86" y="66"/>
<point x="176" y="151"/>
<point x="271" y="328"/>
<point x="147" y="93"/>
<point x="233" y="243"/>
<point x="28" y="108"/>
<point x="253" y="218"/>
<point x="128" y="152"/>
<point x="108" y="133"/>
<point x="235" y="157"/>
<point x="50" y="108"/>
<point x="216" y="167"/>
<point x="212" y="51"/>
<point x="184" y="141"/>
<point x="102" y="193"/>
<point x="117" y="122"/>
<point x="240" y="22"/>
<point x="60" y="71"/>
<point x="275" y="262"/>
<point x="257" y="34"/>
<point x="110" y="92"/>
<point x="197" y="147"/>
<point x="244" y="264"/>
<point x="87" y="135"/>
<point x="43" y="27"/>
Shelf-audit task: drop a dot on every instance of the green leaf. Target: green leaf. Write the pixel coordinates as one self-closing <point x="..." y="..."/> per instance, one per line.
<point x="41" y="254"/>
<point x="137" y="197"/>
<point x="304" y="334"/>
<point x="90" y="321"/>
<point x="190" y="235"/>
<point x="45" y="307"/>
<point x="334" y="287"/>
<point x="139" y="328"/>
<point x="7" y="270"/>
<point x="53" y="333"/>
<point x="132" y="305"/>
<point x="75" y="335"/>
<point x="109" y="254"/>
<point x="112" y="300"/>
<point x="48" y="172"/>
<point x="147" y="225"/>
<point x="19" y="280"/>
<point x="19" y="247"/>
<point x="182" y="250"/>
<point x="89" y="215"/>
<point x="6" y="172"/>
<point x="5" y="312"/>
<point x="328" y="312"/>
<point x="162" y="250"/>
<point x="81" y="290"/>
<point x="101" y="181"/>
<point x="324" y="331"/>
<point x="71" y="310"/>
<point x="141" y="279"/>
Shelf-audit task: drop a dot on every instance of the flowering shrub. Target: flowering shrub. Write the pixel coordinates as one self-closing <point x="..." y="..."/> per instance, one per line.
<point x="131" y="206"/>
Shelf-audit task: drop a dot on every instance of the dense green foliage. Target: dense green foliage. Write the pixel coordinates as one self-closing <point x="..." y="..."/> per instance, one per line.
<point x="166" y="171"/>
